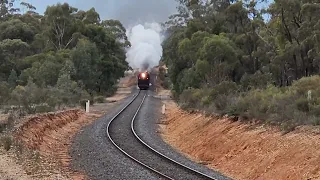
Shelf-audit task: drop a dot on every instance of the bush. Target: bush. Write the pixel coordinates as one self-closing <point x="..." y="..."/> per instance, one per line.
<point x="3" y="126"/>
<point x="287" y="107"/>
<point x="11" y="120"/>
<point x="111" y="91"/>
<point x="44" y="108"/>
<point x="165" y="83"/>
<point x="255" y="81"/>
<point x="27" y="97"/>
<point x="303" y="85"/>
<point x="315" y="110"/>
<point x="4" y="92"/>
<point x="222" y="96"/>
<point x="224" y="88"/>
<point x="303" y="104"/>
<point x="187" y="100"/>
<point x="7" y="142"/>
<point x="100" y="99"/>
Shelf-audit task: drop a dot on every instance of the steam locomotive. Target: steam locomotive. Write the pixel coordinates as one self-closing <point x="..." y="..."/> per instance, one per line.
<point x="143" y="80"/>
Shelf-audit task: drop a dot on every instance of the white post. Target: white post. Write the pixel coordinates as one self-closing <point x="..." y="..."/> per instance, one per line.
<point x="163" y="109"/>
<point x="309" y="95"/>
<point x="87" y="106"/>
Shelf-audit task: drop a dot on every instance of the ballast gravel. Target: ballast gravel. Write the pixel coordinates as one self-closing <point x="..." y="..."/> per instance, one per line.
<point x="93" y="154"/>
<point x="120" y="131"/>
<point x="146" y="128"/>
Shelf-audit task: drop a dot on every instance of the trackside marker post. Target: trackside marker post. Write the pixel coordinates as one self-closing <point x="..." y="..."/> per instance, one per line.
<point x="87" y="106"/>
<point x="163" y="109"/>
<point x="309" y="95"/>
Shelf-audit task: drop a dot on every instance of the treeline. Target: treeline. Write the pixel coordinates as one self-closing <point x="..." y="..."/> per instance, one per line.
<point x="224" y="58"/>
<point x="57" y="59"/>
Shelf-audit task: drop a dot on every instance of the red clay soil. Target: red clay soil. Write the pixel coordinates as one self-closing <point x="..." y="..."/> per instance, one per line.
<point x="243" y="151"/>
<point x="51" y="135"/>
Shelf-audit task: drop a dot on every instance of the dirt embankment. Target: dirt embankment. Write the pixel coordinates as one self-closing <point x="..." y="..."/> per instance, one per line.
<point x="51" y="135"/>
<point x="243" y="151"/>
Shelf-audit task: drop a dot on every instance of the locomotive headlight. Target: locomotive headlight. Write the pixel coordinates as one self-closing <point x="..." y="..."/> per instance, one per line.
<point x="143" y="75"/>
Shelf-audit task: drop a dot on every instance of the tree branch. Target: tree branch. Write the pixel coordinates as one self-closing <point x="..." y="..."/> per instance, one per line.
<point x="70" y="40"/>
<point x="288" y="34"/>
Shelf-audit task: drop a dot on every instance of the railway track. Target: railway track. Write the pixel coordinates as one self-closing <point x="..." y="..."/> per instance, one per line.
<point x="123" y="124"/>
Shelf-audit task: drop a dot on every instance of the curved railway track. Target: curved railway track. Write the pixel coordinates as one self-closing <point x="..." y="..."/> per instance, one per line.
<point x="123" y="124"/>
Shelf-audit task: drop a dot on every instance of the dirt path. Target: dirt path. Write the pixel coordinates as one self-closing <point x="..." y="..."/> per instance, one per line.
<point x="243" y="151"/>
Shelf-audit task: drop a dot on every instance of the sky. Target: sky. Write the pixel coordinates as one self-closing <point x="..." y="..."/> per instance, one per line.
<point x="129" y="12"/>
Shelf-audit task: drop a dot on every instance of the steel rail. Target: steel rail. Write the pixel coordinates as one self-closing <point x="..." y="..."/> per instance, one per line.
<point x="145" y="144"/>
<point x="123" y="151"/>
<point x="159" y="153"/>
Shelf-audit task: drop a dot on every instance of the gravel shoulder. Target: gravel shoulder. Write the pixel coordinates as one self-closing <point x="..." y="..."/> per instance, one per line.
<point x="9" y="169"/>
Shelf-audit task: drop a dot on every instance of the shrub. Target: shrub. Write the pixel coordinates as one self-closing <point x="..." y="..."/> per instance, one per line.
<point x="4" y="92"/>
<point x="3" y="126"/>
<point x="187" y="100"/>
<point x="43" y="108"/>
<point x="315" y="110"/>
<point x="225" y="87"/>
<point x="100" y="99"/>
<point x="27" y="97"/>
<point x="111" y="91"/>
<point x="287" y="126"/>
<point x="303" y="104"/>
<point x="256" y="81"/>
<point x="6" y="142"/>
<point x="287" y="107"/>
<point x="11" y="120"/>
<point x="303" y="85"/>
<point x="166" y="83"/>
<point x="222" y="96"/>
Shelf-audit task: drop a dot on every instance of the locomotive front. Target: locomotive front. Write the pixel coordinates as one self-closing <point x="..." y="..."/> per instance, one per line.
<point x="143" y="80"/>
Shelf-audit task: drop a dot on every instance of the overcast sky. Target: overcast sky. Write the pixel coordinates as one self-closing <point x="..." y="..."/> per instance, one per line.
<point x="127" y="11"/>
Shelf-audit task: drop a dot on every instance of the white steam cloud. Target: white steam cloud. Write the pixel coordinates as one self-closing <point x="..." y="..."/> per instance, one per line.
<point x="146" y="50"/>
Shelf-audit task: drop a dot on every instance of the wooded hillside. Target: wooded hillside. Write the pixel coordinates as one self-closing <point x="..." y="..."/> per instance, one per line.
<point x="223" y="57"/>
<point x="59" y="58"/>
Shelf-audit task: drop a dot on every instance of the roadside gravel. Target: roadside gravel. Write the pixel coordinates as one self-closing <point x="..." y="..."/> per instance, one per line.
<point x="95" y="155"/>
<point x="146" y="124"/>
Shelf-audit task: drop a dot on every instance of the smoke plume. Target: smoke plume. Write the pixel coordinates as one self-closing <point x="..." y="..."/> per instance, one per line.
<point x="145" y="37"/>
<point x="145" y="51"/>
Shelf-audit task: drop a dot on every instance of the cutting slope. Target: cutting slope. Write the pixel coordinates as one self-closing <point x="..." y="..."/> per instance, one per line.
<point x="243" y="151"/>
